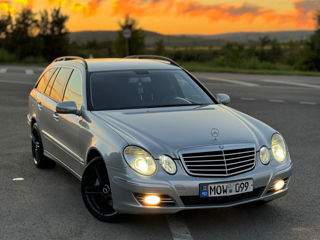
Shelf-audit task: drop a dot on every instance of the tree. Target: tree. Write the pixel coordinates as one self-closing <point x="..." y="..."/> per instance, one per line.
<point x="22" y="40"/>
<point x="5" y="22"/>
<point x="53" y="33"/>
<point x="159" y="48"/>
<point x="310" y="56"/>
<point x="136" y="42"/>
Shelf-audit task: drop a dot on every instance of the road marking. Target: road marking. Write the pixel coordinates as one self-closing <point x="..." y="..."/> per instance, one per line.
<point x="292" y="83"/>
<point x="247" y="99"/>
<point x="231" y="81"/>
<point x="3" y="70"/>
<point x="29" y="72"/>
<point x="276" y="100"/>
<point x="178" y="228"/>
<point x="307" y="103"/>
<point x="17" y="82"/>
<point x="18" y="179"/>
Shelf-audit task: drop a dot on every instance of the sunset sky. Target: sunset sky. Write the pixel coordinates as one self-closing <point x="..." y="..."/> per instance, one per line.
<point x="181" y="16"/>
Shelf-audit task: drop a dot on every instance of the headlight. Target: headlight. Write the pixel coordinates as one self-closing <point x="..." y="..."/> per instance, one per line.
<point x="168" y="164"/>
<point x="264" y="155"/>
<point x="278" y="147"/>
<point x="140" y="160"/>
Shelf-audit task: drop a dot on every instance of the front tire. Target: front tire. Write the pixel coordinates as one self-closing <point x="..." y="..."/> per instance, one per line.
<point x="96" y="191"/>
<point x="39" y="160"/>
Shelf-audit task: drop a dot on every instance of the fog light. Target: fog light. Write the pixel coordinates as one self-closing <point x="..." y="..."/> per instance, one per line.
<point x="278" y="185"/>
<point x="152" y="200"/>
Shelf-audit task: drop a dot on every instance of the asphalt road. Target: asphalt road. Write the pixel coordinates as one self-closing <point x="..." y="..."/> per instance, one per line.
<point x="47" y="204"/>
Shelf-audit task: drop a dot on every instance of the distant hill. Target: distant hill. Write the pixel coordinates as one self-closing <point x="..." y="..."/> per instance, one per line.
<point x="193" y="40"/>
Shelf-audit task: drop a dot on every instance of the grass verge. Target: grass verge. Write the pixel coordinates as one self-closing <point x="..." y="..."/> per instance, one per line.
<point x="209" y="67"/>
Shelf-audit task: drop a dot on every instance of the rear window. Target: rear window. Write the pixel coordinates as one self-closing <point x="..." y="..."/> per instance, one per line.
<point x="43" y="82"/>
<point x="142" y="89"/>
<point x="60" y="83"/>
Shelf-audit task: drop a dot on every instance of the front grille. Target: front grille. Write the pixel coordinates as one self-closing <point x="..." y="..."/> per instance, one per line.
<point x="230" y="160"/>
<point x="196" y="200"/>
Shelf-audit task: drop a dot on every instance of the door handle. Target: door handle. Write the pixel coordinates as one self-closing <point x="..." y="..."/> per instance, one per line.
<point x="56" y="116"/>
<point x="40" y="107"/>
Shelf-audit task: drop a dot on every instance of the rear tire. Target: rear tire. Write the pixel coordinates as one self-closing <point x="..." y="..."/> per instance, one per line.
<point x="96" y="191"/>
<point x="39" y="160"/>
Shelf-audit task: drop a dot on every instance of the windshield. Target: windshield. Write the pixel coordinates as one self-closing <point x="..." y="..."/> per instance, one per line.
<point x="144" y="89"/>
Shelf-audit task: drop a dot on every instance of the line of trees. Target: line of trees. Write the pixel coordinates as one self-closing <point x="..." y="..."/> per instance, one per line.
<point x="44" y="35"/>
<point x="28" y="35"/>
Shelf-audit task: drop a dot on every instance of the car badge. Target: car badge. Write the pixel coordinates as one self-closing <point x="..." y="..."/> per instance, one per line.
<point x="215" y="133"/>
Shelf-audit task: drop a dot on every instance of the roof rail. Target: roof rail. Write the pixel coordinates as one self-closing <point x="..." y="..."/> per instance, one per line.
<point x="67" y="58"/>
<point x="154" y="57"/>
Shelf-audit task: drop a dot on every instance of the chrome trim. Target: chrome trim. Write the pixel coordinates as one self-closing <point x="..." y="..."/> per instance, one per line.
<point x="48" y="154"/>
<point x="223" y="155"/>
<point x="62" y="146"/>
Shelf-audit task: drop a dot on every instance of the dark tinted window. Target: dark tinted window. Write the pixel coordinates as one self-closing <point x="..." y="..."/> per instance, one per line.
<point x="60" y="83"/>
<point x="74" y="89"/>
<point x="49" y="87"/>
<point x="139" y="89"/>
<point x="45" y="79"/>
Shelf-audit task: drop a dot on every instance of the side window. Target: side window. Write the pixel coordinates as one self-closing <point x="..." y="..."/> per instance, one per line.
<point x="74" y="89"/>
<point x="60" y="83"/>
<point x="42" y="84"/>
<point x="49" y="87"/>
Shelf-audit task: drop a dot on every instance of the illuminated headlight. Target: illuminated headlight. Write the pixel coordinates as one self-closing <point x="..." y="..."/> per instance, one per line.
<point x="264" y="155"/>
<point x="278" y="147"/>
<point x="140" y="160"/>
<point x="168" y="164"/>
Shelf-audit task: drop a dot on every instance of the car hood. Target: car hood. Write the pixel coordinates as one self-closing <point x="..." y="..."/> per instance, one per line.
<point x="168" y="130"/>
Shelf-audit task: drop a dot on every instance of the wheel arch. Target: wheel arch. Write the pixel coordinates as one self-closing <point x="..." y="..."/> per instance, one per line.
<point x="93" y="153"/>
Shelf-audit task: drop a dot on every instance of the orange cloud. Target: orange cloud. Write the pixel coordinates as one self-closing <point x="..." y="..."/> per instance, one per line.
<point x="85" y="7"/>
<point x="140" y="8"/>
<point x="10" y="6"/>
<point x="302" y="16"/>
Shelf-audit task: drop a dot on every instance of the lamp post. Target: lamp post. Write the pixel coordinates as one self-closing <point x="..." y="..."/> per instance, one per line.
<point x="126" y="33"/>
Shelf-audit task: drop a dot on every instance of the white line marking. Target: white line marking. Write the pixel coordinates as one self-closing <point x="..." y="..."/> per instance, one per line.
<point x="29" y="72"/>
<point x="276" y="100"/>
<point x="247" y="99"/>
<point x="3" y="70"/>
<point x="178" y="228"/>
<point x="307" y="103"/>
<point x="292" y="83"/>
<point x="231" y="81"/>
<point x="16" y="82"/>
<point x="18" y="179"/>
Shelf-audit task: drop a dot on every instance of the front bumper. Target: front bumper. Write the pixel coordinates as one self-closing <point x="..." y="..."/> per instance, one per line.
<point x="184" y="190"/>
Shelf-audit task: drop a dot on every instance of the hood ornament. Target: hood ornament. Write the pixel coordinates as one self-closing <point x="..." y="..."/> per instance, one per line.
<point x="215" y="133"/>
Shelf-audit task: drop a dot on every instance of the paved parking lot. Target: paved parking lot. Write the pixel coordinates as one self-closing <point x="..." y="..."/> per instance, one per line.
<point x="46" y="204"/>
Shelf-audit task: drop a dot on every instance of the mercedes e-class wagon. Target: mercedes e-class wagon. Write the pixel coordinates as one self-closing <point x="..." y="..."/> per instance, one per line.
<point x="144" y="136"/>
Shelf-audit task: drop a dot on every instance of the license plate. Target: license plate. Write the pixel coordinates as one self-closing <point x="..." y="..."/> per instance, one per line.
<point x="226" y="189"/>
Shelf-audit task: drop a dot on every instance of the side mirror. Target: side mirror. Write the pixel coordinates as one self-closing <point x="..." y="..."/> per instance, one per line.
<point x="223" y="98"/>
<point x="68" y="108"/>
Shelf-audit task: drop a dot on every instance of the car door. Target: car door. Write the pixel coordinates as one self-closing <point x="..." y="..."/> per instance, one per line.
<point x="69" y="126"/>
<point x="49" y="119"/>
<point x="40" y="98"/>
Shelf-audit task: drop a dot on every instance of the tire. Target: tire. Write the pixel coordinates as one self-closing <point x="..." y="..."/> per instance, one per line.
<point x="39" y="160"/>
<point x="96" y="191"/>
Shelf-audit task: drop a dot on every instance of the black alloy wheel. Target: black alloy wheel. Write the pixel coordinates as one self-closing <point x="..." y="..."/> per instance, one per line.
<point x="40" y="161"/>
<point x="96" y="191"/>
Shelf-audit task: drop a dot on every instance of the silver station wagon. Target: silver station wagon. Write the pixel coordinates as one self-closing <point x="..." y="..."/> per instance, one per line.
<point x="144" y="136"/>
